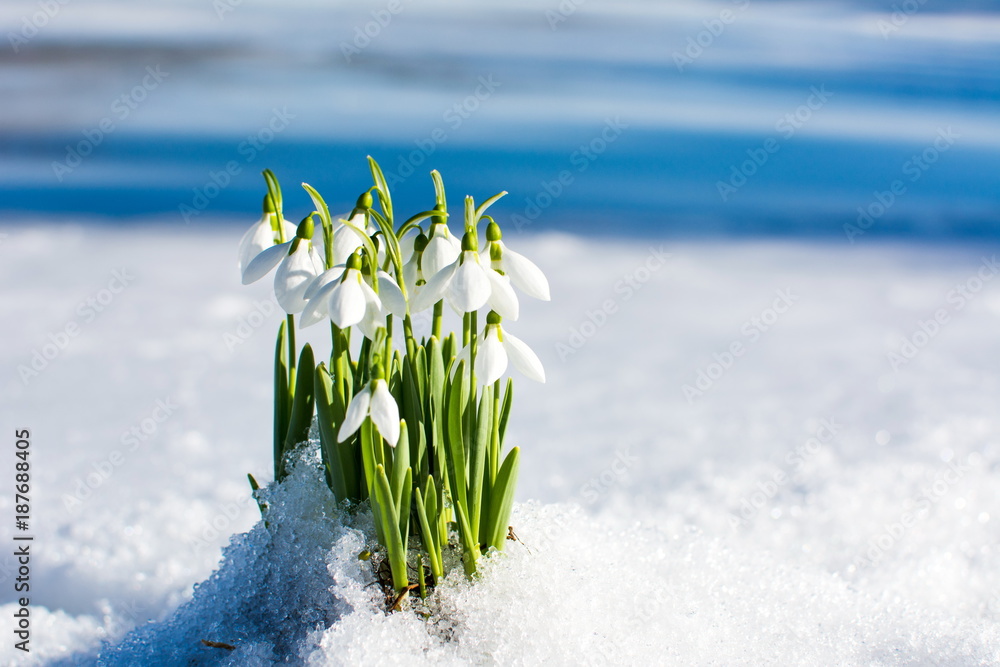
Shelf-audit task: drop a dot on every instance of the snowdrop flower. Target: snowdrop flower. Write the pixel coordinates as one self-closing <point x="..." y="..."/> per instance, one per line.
<point x="413" y="273"/>
<point x="467" y="284"/>
<point x="298" y="265"/>
<point x="261" y="236"/>
<point x="376" y="402"/>
<point x="522" y="271"/>
<point x="347" y="239"/>
<point x="343" y="295"/>
<point x="441" y="250"/>
<point x="496" y="347"/>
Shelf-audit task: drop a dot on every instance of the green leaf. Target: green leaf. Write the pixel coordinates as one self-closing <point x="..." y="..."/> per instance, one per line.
<point x="477" y="461"/>
<point x="428" y="530"/>
<point x="282" y="399"/>
<point x="403" y="507"/>
<point x="339" y="461"/>
<point x="486" y="204"/>
<point x="387" y="517"/>
<point x="502" y="501"/>
<point x="319" y="203"/>
<point x="508" y="397"/>
<point x="304" y="401"/>
<point x="470" y="545"/>
<point x="383" y="187"/>
<point x="456" y="439"/>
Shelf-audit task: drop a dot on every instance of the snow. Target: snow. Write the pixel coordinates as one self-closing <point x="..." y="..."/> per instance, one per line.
<point x="814" y="505"/>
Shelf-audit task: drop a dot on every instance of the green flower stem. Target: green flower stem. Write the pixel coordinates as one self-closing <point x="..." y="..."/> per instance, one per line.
<point x="291" y="356"/>
<point x="438" y="317"/>
<point x="494" y="464"/>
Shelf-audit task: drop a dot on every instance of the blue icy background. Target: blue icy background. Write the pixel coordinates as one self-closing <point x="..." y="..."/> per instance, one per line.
<point x="559" y="76"/>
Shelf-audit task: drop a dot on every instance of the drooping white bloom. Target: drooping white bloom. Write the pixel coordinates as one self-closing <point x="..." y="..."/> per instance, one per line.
<point x="495" y="348"/>
<point x="442" y="249"/>
<point x="376" y="402"/>
<point x="261" y="236"/>
<point x="298" y="265"/>
<point x="413" y="269"/>
<point x="344" y="295"/>
<point x="347" y="239"/>
<point x="468" y="285"/>
<point x="522" y="271"/>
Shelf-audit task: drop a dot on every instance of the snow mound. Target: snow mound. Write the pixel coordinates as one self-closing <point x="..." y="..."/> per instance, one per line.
<point x="576" y="589"/>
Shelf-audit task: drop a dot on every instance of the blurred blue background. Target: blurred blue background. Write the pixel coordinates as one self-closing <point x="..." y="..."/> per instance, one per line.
<point x="683" y="117"/>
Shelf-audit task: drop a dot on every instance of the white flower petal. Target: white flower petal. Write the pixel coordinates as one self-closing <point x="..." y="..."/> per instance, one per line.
<point x="434" y="290"/>
<point x="318" y="306"/>
<point x="502" y="297"/>
<point x="491" y="357"/>
<point x="523" y="358"/>
<point x="266" y="260"/>
<point x="324" y="279"/>
<point x="410" y="276"/>
<point x="391" y="295"/>
<point x="406" y="244"/>
<point x="356" y="413"/>
<point x="439" y="253"/>
<point x="294" y="274"/>
<point x="525" y="275"/>
<point x="347" y="239"/>
<point x="254" y="241"/>
<point x="385" y="412"/>
<point x="374" y="313"/>
<point x="347" y="301"/>
<point x="470" y="288"/>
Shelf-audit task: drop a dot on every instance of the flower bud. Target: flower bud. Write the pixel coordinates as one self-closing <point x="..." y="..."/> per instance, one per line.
<point x="493" y="233"/>
<point x="420" y="243"/>
<point x="306" y="228"/>
<point x="268" y="205"/>
<point x="493" y="318"/>
<point x="353" y="262"/>
<point x="469" y="242"/>
<point x="439" y="219"/>
<point x="364" y="201"/>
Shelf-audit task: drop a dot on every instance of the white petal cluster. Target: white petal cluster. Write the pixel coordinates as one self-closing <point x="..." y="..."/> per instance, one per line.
<point x="376" y="402"/>
<point x="343" y="295"/>
<point x="298" y="264"/>
<point x="496" y="348"/>
<point x="468" y="285"/>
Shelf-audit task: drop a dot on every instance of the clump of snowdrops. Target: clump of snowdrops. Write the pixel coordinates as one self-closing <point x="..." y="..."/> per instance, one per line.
<point x="415" y="427"/>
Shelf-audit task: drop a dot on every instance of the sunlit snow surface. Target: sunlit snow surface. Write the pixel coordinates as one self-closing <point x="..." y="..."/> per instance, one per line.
<point x="655" y="529"/>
